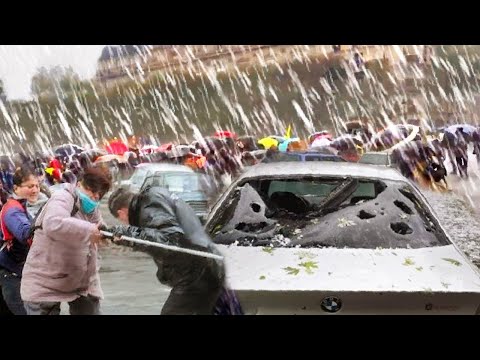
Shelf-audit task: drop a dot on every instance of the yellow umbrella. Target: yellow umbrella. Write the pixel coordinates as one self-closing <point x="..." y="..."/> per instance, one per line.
<point x="267" y="142"/>
<point x="288" y="133"/>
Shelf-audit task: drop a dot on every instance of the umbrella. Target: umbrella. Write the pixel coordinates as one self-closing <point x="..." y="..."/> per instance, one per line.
<point x="258" y="154"/>
<point x="148" y="149"/>
<point x="467" y="129"/>
<point x="320" y="135"/>
<point x="321" y="141"/>
<point x="225" y="134"/>
<point x="280" y="139"/>
<point x="67" y="150"/>
<point x="165" y="147"/>
<point x="92" y="154"/>
<point x="392" y="135"/>
<point x="287" y="144"/>
<point x="268" y="142"/>
<point x="116" y="147"/>
<point x="345" y="142"/>
<point x="408" y="139"/>
<point x="328" y="150"/>
<point x="110" y="157"/>
<point x="179" y="151"/>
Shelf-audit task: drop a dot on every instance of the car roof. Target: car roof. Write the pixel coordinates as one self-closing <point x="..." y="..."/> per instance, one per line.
<point x="164" y="167"/>
<point x="309" y="153"/>
<point x="306" y="153"/>
<point x="323" y="168"/>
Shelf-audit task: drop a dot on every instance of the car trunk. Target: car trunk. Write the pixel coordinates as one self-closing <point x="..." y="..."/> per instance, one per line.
<point x="436" y="280"/>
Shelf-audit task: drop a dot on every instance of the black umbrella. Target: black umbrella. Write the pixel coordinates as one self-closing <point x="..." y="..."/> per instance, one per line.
<point x="345" y="142"/>
<point x="67" y="150"/>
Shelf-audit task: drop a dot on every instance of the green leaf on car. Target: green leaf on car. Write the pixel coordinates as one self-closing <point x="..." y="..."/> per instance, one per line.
<point x="453" y="261"/>
<point x="268" y="249"/>
<point x="291" y="270"/>
<point x="309" y="266"/>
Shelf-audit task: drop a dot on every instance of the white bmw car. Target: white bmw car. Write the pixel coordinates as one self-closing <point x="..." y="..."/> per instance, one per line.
<point x="338" y="238"/>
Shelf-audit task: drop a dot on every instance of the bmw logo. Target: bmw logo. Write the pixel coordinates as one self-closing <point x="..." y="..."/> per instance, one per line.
<point x="331" y="304"/>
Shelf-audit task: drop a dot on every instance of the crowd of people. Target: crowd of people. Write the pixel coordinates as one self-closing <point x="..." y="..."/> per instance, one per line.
<point x="50" y="239"/>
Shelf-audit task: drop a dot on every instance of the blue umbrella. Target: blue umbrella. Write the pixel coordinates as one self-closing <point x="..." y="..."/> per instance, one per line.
<point x="284" y="145"/>
<point x="466" y="129"/>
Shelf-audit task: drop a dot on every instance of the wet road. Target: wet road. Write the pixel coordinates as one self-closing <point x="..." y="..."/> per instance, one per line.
<point x="130" y="286"/>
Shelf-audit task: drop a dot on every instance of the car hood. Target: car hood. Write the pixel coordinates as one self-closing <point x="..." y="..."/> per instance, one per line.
<point x="437" y="269"/>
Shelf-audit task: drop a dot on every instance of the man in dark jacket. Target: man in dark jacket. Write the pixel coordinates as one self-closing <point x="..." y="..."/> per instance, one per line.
<point x="156" y="215"/>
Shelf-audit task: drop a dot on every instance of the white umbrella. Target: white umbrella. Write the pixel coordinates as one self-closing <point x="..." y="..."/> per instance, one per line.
<point x="320" y="142"/>
<point x="413" y="133"/>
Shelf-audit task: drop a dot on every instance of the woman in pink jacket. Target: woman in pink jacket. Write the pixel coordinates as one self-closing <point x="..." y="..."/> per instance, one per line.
<point x="62" y="263"/>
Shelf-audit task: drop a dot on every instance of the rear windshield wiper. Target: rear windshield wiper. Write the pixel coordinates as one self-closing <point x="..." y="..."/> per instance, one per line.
<point x="338" y="195"/>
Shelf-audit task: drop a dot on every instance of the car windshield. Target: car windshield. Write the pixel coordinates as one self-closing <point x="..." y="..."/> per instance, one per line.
<point x="178" y="182"/>
<point x="138" y="176"/>
<point x="327" y="212"/>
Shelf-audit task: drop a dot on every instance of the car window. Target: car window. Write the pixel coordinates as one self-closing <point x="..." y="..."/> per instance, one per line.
<point x="365" y="189"/>
<point x="282" y="157"/>
<point x="313" y="190"/>
<point x="175" y="182"/>
<point x="323" y="158"/>
<point x="139" y="176"/>
<point x="182" y="182"/>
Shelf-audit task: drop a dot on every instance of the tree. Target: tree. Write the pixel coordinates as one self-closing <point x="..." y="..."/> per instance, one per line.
<point x="53" y="81"/>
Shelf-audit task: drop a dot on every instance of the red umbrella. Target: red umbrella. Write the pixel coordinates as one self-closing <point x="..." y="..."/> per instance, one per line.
<point x="225" y="134"/>
<point x="165" y="147"/>
<point x="320" y="135"/>
<point x="116" y="147"/>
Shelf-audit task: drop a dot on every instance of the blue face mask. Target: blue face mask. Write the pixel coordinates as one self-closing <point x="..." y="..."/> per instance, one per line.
<point x="88" y="205"/>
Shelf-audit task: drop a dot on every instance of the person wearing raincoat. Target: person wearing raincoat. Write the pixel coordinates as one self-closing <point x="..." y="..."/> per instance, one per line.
<point x="157" y="215"/>
<point x="62" y="265"/>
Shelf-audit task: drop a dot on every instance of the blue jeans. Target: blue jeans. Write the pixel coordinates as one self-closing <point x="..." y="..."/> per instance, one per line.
<point x="10" y="284"/>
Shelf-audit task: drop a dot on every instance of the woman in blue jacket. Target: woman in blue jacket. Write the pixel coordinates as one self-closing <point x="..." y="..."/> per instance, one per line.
<point x="15" y="221"/>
